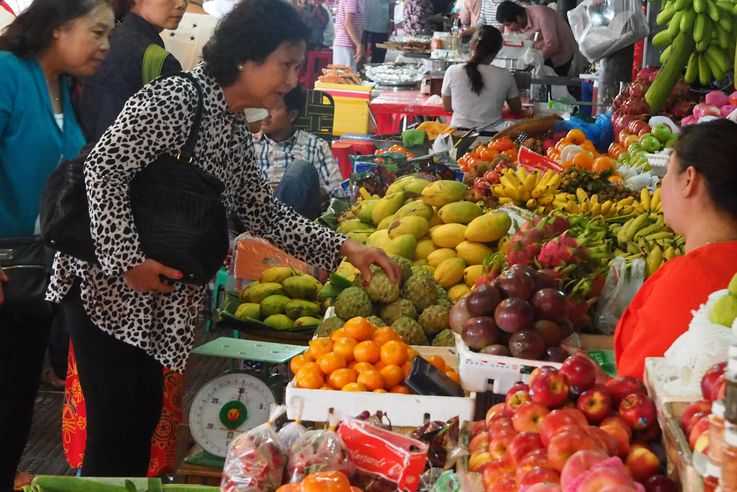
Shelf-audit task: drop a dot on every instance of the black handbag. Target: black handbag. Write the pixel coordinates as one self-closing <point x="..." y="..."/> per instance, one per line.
<point x="25" y="260"/>
<point x="177" y="210"/>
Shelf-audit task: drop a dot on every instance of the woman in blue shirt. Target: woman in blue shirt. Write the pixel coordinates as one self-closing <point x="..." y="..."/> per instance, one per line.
<point x="39" y="50"/>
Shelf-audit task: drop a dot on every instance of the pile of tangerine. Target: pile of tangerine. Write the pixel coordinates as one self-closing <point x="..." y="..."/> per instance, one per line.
<point x="396" y="149"/>
<point x="487" y="153"/>
<point x="359" y="357"/>
<point x="588" y="158"/>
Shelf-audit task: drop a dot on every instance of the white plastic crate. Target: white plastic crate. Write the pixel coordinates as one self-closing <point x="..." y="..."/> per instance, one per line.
<point x="659" y="162"/>
<point x="484" y="372"/>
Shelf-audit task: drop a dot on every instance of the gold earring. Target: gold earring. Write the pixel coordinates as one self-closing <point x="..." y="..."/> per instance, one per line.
<point x="240" y="67"/>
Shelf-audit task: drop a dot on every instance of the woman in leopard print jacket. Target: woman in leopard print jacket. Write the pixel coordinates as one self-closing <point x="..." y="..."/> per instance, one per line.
<point x="127" y="323"/>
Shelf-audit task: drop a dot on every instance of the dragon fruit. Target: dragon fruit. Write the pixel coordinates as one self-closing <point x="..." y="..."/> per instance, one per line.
<point x="553" y="225"/>
<point x="524" y="246"/>
<point x="559" y="251"/>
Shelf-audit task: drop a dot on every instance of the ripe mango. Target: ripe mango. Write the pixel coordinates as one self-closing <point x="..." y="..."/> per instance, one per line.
<point x="387" y="206"/>
<point x="443" y="192"/>
<point x="458" y="292"/>
<point x="302" y="287"/>
<point x="409" y="184"/>
<point x="461" y="212"/>
<point x="415" y="207"/>
<point x="352" y="225"/>
<point x="435" y="221"/>
<point x="411" y="224"/>
<point x="274" y="305"/>
<point x="472" y="273"/>
<point x="256" y="292"/>
<point x="488" y="227"/>
<point x="449" y="272"/>
<point x="305" y="321"/>
<point x="360" y="236"/>
<point x="364" y="209"/>
<point x="440" y="255"/>
<point x="403" y="245"/>
<point x="297" y="308"/>
<point x="473" y="253"/>
<point x="448" y="235"/>
<point x="248" y="310"/>
<point x="277" y="274"/>
<point x="424" y="248"/>
<point x="386" y="222"/>
<point x="279" y="322"/>
<point x="416" y="186"/>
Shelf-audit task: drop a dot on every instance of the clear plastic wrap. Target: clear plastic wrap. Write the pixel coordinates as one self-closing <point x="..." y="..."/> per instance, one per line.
<point x="256" y="459"/>
<point x="293" y="430"/>
<point x="622" y="283"/>
<point x="316" y="451"/>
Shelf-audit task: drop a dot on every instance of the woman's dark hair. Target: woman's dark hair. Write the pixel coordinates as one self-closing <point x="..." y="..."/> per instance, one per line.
<point x="710" y="148"/>
<point x="251" y="32"/>
<point x="121" y="8"/>
<point x="33" y="30"/>
<point x="509" y="12"/>
<point x="295" y="100"/>
<point x="488" y="43"/>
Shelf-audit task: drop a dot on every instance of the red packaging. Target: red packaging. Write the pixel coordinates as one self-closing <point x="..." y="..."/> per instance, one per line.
<point x="532" y="160"/>
<point x="384" y="454"/>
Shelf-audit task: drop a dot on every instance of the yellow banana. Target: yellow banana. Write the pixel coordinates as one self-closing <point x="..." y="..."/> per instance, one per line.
<point x="606" y="207"/>
<point x="581" y="195"/>
<point x="645" y="199"/>
<point x="655" y="203"/>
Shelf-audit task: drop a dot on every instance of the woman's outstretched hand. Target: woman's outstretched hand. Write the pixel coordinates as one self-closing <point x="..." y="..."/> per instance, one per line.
<point x="362" y="257"/>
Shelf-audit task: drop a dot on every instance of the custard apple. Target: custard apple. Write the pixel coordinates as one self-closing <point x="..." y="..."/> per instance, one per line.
<point x="410" y="331"/>
<point x="421" y="269"/>
<point x="434" y="319"/>
<point x="328" y="326"/>
<point x="400" y="307"/>
<point x="376" y="321"/>
<point x="421" y="290"/>
<point x="405" y="265"/>
<point x="353" y="302"/>
<point x="444" y="339"/>
<point x="380" y="288"/>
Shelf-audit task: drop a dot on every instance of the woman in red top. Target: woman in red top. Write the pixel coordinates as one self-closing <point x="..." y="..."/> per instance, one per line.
<point x="700" y="202"/>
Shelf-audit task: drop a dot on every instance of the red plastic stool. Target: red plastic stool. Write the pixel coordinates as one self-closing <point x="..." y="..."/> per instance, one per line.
<point x="315" y="61"/>
<point x="342" y="154"/>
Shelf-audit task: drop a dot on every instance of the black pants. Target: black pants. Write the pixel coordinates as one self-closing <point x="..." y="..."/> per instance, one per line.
<point x="123" y="389"/>
<point x="561" y="70"/>
<point x="59" y="343"/>
<point x="24" y="335"/>
<point x="378" y="55"/>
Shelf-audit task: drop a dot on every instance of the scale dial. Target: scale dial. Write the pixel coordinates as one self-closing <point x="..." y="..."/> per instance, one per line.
<point x="227" y="406"/>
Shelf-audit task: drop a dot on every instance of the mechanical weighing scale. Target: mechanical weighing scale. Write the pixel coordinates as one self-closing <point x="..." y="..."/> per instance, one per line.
<point x="238" y="400"/>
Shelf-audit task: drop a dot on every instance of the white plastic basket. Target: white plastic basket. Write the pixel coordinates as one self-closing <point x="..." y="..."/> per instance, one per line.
<point x="659" y="162"/>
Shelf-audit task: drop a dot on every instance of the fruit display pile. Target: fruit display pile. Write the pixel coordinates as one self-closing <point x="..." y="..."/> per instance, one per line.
<point x="359" y="357"/>
<point x="694" y="420"/>
<point x="564" y="428"/>
<point x="633" y="143"/>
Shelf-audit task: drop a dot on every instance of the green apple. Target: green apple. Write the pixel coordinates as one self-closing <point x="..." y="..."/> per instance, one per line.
<point x="733" y="285"/>
<point x="724" y="311"/>
<point x="662" y="132"/>
<point x="650" y="143"/>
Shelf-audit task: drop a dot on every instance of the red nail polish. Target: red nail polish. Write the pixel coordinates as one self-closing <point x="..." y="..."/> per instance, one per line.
<point x="180" y="275"/>
<point x="365" y="282"/>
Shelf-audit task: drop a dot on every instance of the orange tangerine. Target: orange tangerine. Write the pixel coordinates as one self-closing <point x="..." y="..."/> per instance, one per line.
<point x="615" y="178"/>
<point x="583" y="159"/>
<point x="400" y="388"/>
<point x="309" y="376"/>
<point x="385" y="334"/>
<point x="354" y="387"/>
<point x="589" y="145"/>
<point x="411" y="353"/>
<point x="392" y="374"/>
<point x="339" y="333"/>
<point x="379" y="365"/>
<point x="379" y="390"/>
<point x="367" y="351"/>
<point x="566" y="164"/>
<point x="576" y="136"/>
<point x="318" y="347"/>
<point x="406" y="368"/>
<point x="363" y="366"/>
<point x="341" y="377"/>
<point x="603" y="164"/>
<point x="453" y="375"/>
<point x="331" y="362"/>
<point x="344" y="346"/>
<point x="394" y="352"/>
<point x="437" y="361"/>
<point x="297" y="362"/>
<point x="359" y="328"/>
<point x="326" y="387"/>
<point x="371" y="379"/>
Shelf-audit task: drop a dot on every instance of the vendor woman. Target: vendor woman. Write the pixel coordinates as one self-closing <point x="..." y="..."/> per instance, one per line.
<point x="476" y="91"/>
<point x="700" y="203"/>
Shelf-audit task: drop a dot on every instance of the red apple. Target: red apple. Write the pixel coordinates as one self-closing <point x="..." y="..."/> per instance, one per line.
<point x="554" y="421"/>
<point x="479" y="443"/>
<point x="638" y="411"/>
<point x="660" y="483"/>
<point x="543" y="487"/>
<point x="522" y="444"/>
<point x="538" y="474"/>
<point x="499" y="426"/>
<point x="702" y="443"/>
<point x="565" y="444"/>
<point x="537" y="457"/>
<point x="548" y="387"/>
<point x="712" y="380"/>
<point x="528" y="417"/>
<point x="642" y="462"/>
<point x="502" y="484"/>
<point x="581" y="373"/>
<point x="606" y="479"/>
<point x="595" y="404"/>
<point x="692" y="421"/>
<point x="477" y="461"/>
<point x="622" y="386"/>
<point x="608" y="442"/>
<point x="499" y="444"/>
<point x="699" y="406"/>
<point x="650" y="434"/>
<point x="496" y="470"/>
<point x="478" y="426"/>
<point x="497" y="411"/>
<point x="616" y="427"/>
<point x="516" y="396"/>
<point x="576" y="414"/>
<point x="578" y="464"/>
<point x="700" y="427"/>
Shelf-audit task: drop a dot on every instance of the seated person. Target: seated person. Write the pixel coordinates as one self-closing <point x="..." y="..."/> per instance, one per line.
<point x="476" y="91"/>
<point x="299" y="165"/>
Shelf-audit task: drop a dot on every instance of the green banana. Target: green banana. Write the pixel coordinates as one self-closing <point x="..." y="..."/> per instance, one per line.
<point x="714" y="67"/>
<point x="699" y="28"/>
<point x="713" y="11"/>
<point x="734" y="9"/>
<point x="662" y="38"/>
<point x="669" y="253"/>
<point x="683" y="4"/>
<point x="692" y="69"/>
<point x="654" y="236"/>
<point x="636" y="225"/>
<point x="688" y="18"/>
<point x="715" y="54"/>
<point x="648" y="230"/>
<point x="664" y="55"/>
<point x="675" y="24"/>
<point x="665" y="15"/>
<point x="699" y="6"/>
<point x="725" y="24"/>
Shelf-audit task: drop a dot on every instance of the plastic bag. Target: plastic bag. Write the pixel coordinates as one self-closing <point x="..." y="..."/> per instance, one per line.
<point x="604" y="27"/>
<point x="318" y="450"/>
<point x="255" y="460"/>
<point x="622" y="283"/>
<point x="600" y="132"/>
<point x="293" y="430"/>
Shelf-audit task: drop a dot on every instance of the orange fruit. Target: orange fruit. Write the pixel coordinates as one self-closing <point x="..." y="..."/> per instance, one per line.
<point x="359" y="328"/>
<point x="477" y="152"/>
<point x="488" y="154"/>
<point x="576" y="136"/>
<point x="583" y="159"/>
<point x="392" y="374"/>
<point x="615" y="178"/>
<point x="331" y="362"/>
<point x="385" y="334"/>
<point x="326" y="481"/>
<point x="318" y="347"/>
<point x="326" y="387"/>
<point x="411" y="353"/>
<point x="339" y="333"/>
<point x="566" y="165"/>
<point x="394" y="352"/>
<point x="290" y="487"/>
<point x="453" y="375"/>
<point x="309" y="376"/>
<point x="344" y="346"/>
<point x="511" y="153"/>
<point x="400" y="388"/>
<point x="367" y="351"/>
<point x="406" y="368"/>
<point x="354" y="387"/>
<point x="363" y="366"/>
<point x="437" y="361"/>
<point x="603" y="164"/>
<point x="397" y="148"/>
<point x="615" y="150"/>
<point x="502" y="144"/>
<point x="297" y="362"/>
<point x="379" y="365"/>
<point x="379" y="390"/>
<point x="371" y="379"/>
<point x="339" y="378"/>
<point x="630" y="140"/>
<point x="589" y="145"/>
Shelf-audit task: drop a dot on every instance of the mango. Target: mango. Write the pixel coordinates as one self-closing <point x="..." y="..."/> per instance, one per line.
<point x="260" y="291"/>
<point x="435" y="221"/>
<point x="449" y="272"/>
<point x="457" y="292"/>
<point x="398" y="185"/>
<point x="448" y="235"/>
<point x="279" y="322"/>
<point x="415" y="207"/>
<point x="443" y="192"/>
<point x="301" y="287"/>
<point x="440" y="255"/>
<point x="360" y="236"/>
<point x="416" y="186"/>
<point x="304" y="321"/>
<point x="424" y="248"/>
<point x="352" y="225"/>
<point x="488" y="227"/>
<point x="387" y="206"/>
<point x="274" y="305"/>
<point x="411" y="224"/>
<point x="297" y="308"/>
<point x="473" y="253"/>
<point x="363" y="210"/>
<point x="248" y="310"/>
<point x="386" y="222"/>
<point x="277" y="274"/>
<point x="379" y="239"/>
<point x="403" y="245"/>
<point x="461" y="212"/>
<point x="472" y="273"/>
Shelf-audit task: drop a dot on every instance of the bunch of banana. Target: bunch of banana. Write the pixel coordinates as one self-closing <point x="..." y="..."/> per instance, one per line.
<point x="533" y="190"/>
<point x="711" y="25"/>
<point x="646" y="236"/>
<point x="581" y="202"/>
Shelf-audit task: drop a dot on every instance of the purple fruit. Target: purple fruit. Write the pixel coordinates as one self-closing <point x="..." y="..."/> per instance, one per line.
<point x="556" y="354"/>
<point x="551" y="331"/>
<point x="479" y="332"/>
<point x="458" y="315"/>
<point x="482" y="300"/>
<point x="527" y="344"/>
<point x="496" y="349"/>
<point x="550" y="304"/>
<point x="514" y="314"/>
<point x="543" y="281"/>
<point x="516" y="282"/>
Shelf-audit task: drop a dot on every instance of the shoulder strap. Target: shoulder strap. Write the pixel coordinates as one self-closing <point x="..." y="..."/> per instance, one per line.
<point x="187" y="151"/>
<point x="153" y="62"/>
<point x="7" y="7"/>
